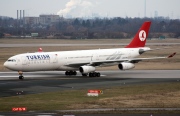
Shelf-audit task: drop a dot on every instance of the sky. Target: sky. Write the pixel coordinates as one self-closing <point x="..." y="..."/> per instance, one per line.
<point x="88" y="8"/>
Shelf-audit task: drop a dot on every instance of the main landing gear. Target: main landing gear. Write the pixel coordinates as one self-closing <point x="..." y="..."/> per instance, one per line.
<point x="69" y="73"/>
<point x="21" y="77"/>
<point x="92" y="74"/>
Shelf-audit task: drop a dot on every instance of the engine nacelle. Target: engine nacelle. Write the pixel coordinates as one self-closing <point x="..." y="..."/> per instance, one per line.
<point x="126" y="66"/>
<point x="87" y="69"/>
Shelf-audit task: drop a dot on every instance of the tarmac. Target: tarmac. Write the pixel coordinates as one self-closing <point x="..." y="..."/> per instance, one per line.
<point x="40" y="82"/>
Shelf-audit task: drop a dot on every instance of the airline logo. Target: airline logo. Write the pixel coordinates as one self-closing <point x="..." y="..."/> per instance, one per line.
<point x="38" y="57"/>
<point x="142" y="35"/>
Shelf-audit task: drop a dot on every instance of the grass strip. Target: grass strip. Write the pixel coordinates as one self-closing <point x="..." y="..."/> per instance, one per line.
<point x="133" y="96"/>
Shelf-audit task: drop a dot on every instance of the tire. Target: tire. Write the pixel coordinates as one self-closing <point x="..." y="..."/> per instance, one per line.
<point x="98" y="74"/>
<point x="94" y="74"/>
<point x="74" y="73"/>
<point x="90" y="74"/>
<point x="66" y="73"/>
<point x="21" y="77"/>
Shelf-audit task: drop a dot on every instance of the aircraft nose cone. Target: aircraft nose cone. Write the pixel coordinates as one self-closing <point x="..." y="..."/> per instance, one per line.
<point x="6" y="64"/>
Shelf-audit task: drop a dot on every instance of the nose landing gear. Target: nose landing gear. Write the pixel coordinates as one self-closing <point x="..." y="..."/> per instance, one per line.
<point x="21" y="77"/>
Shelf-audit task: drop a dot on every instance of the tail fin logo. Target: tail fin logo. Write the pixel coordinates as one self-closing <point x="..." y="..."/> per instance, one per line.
<point x="142" y="35"/>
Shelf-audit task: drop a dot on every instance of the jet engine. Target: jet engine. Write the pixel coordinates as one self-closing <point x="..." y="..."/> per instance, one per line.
<point x="87" y="69"/>
<point x="126" y="66"/>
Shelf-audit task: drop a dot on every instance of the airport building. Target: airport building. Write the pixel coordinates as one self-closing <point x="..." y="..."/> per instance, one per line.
<point x="42" y="19"/>
<point x="31" y="20"/>
<point x="48" y="19"/>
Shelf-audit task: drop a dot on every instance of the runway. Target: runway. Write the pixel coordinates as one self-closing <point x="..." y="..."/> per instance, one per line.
<point x="39" y="82"/>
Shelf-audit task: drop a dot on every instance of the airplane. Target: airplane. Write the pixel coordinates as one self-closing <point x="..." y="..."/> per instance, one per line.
<point x="84" y="61"/>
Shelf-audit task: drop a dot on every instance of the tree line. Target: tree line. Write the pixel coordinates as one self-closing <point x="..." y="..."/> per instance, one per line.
<point x="97" y="28"/>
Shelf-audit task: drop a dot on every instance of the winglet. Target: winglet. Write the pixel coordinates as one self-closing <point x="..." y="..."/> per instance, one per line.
<point x="170" y="56"/>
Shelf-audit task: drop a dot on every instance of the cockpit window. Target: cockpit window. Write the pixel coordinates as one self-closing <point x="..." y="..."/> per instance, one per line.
<point x="11" y="60"/>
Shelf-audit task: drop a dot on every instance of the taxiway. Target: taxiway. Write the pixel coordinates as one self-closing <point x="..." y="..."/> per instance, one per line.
<point x="39" y="82"/>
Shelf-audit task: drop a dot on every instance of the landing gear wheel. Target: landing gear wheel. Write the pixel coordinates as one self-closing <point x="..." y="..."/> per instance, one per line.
<point x="21" y="77"/>
<point x="69" y="73"/>
<point x="74" y="73"/>
<point x="66" y="73"/>
<point x="90" y="74"/>
<point x="98" y="74"/>
<point x="94" y="74"/>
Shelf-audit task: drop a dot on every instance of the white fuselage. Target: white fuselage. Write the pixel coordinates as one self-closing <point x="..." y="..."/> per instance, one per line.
<point x="44" y="61"/>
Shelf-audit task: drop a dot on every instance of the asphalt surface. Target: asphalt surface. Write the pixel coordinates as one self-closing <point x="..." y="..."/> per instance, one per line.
<point x="39" y="82"/>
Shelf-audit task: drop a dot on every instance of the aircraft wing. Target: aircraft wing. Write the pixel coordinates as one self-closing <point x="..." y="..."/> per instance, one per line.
<point x="136" y="60"/>
<point x="113" y="62"/>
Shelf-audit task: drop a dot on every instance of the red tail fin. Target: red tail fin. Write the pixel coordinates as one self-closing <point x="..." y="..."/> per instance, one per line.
<point x="140" y="38"/>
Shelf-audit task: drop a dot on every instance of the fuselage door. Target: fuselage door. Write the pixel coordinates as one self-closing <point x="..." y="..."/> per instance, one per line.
<point x="24" y="60"/>
<point x="54" y="61"/>
<point x="95" y="57"/>
<point x="55" y="58"/>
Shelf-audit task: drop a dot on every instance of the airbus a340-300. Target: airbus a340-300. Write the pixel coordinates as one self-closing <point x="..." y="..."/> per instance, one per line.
<point x="84" y="61"/>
